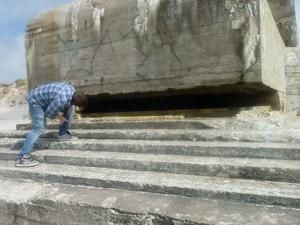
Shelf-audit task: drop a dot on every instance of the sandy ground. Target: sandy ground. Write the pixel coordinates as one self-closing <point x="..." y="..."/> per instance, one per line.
<point x="13" y="106"/>
<point x="11" y="116"/>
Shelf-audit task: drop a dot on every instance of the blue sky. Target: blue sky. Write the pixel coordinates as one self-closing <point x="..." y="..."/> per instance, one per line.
<point x="14" y="16"/>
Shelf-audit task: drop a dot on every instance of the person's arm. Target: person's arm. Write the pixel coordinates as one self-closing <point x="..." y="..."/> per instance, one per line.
<point x="62" y="117"/>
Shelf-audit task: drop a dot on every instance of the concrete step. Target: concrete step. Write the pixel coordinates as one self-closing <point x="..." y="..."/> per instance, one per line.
<point x="159" y="124"/>
<point x="238" y="190"/>
<point x="286" y="151"/>
<point x="276" y="136"/>
<point x="245" y="168"/>
<point x="35" y="203"/>
<point x="245" y="122"/>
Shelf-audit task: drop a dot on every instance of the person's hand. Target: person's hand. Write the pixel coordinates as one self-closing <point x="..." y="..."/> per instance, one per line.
<point x="62" y="119"/>
<point x="70" y="109"/>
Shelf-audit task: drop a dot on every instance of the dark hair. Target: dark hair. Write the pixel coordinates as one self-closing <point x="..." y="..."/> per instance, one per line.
<point x="79" y="99"/>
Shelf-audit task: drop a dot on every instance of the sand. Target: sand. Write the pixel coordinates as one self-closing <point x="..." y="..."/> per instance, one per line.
<point x="11" y="116"/>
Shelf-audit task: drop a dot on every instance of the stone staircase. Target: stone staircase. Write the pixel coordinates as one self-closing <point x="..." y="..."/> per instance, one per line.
<point x="199" y="171"/>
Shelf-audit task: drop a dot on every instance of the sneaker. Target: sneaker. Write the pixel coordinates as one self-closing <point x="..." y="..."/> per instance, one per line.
<point x="26" y="161"/>
<point x="67" y="137"/>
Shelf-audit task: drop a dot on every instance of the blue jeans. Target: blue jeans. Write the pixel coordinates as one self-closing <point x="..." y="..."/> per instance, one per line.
<point x="38" y="125"/>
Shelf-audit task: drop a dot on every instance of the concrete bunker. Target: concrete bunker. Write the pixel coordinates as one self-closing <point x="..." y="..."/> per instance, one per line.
<point x="144" y="55"/>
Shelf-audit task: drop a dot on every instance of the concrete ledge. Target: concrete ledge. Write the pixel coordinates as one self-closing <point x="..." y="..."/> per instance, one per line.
<point x="287" y="151"/>
<point x="51" y="204"/>
<point x="248" y="191"/>
<point x="256" y="119"/>
<point x="245" y="168"/>
<point x="210" y="135"/>
<point x="185" y="124"/>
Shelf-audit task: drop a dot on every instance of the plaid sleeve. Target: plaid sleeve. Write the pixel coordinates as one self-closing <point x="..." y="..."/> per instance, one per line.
<point x="56" y="106"/>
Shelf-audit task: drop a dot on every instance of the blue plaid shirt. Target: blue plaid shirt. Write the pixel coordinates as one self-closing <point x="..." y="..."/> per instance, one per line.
<point x="53" y="98"/>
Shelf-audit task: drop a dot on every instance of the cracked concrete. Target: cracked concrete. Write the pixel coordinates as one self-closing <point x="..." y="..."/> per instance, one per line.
<point x="150" y="46"/>
<point x="69" y="205"/>
<point x="244" y="16"/>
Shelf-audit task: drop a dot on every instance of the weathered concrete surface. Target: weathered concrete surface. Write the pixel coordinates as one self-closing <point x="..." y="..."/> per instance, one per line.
<point x="243" y="182"/>
<point x="245" y="120"/>
<point x="213" y="135"/>
<point x="272" y="58"/>
<point x="293" y="79"/>
<point x="230" y="189"/>
<point x="212" y="149"/>
<point x="113" y="47"/>
<point x="285" y="16"/>
<point x="244" y="168"/>
<point x="59" y="204"/>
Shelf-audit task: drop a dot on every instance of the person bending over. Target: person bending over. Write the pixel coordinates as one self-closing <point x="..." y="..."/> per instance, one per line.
<point x="49" y="101"/>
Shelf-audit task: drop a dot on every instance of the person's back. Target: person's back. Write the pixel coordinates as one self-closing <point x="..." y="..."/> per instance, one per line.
<point x="42" y="95"/>
<point x="52" y="97"/>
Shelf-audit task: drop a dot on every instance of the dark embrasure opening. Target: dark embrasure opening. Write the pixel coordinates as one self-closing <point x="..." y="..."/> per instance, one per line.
<point x="180" y="101"/>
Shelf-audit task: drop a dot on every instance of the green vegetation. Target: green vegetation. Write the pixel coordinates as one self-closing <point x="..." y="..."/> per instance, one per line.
<point x="21" y="82"/>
